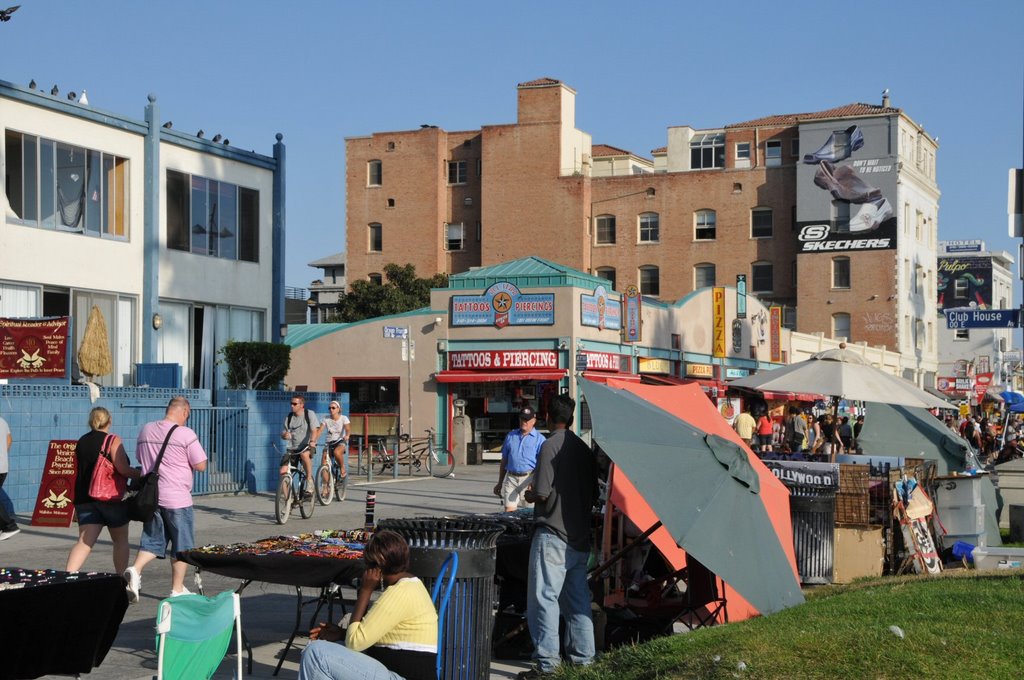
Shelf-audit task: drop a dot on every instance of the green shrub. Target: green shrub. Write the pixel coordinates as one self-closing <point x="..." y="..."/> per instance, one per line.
<point x="256" y="365"/>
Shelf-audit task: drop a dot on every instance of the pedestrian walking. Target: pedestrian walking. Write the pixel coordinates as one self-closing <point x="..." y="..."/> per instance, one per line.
<point x="173" y="523"/>
<point x="8" y="527"/>
<point x="95" y="513"/>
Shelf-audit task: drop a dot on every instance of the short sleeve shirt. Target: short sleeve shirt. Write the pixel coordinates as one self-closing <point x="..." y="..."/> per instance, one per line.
<point x="745" y="425"/>
<point x="335" y="428"/>
<point x="296" y="424"/>
<point x="520" y="451"/>
<point x="566" y="476"/>
<point x="183" y="451"/>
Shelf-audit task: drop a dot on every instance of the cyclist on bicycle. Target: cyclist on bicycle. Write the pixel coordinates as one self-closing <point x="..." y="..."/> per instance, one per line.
<point x="338" y="429"/>
<point x="301" y="431"/>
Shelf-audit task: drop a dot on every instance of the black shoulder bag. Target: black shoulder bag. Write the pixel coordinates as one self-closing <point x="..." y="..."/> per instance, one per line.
<point x="144" y="495"/>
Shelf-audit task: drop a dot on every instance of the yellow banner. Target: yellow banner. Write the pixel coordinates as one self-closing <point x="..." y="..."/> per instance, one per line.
<point x="718" y="322"/>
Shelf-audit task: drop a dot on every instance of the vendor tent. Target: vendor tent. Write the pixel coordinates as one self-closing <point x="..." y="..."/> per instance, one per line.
<point x="891" y="430"/>
<point x="678" y="462"/>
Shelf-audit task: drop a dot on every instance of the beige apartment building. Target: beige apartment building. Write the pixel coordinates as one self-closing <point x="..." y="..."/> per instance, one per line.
<point x="831" y="215"/>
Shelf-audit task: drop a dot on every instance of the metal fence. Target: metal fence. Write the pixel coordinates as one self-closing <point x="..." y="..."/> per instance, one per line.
<point x="222" y="431"/>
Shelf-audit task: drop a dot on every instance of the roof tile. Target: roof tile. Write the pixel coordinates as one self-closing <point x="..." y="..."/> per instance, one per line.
<point x="599" y="150"/>
<point x="540" y="82"/>
<point x="844" y="111"/>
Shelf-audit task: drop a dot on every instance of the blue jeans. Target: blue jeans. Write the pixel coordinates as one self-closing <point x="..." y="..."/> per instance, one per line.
<point x="322" y="660"/>
<point x="557" y="584"/>
<point x="174" y="526"/>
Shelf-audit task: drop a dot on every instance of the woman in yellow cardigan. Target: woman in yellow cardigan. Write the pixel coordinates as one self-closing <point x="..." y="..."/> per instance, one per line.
<point x="396" y="639"/>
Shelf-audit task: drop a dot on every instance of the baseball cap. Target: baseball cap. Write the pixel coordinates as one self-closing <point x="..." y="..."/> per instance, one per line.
<point x="527" y="413"/>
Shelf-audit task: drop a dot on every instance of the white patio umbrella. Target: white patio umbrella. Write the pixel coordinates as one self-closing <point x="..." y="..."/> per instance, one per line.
<point x="841" y="373"/>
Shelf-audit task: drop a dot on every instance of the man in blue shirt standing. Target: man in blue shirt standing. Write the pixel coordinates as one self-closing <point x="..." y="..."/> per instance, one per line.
<point x="518" y="458"/>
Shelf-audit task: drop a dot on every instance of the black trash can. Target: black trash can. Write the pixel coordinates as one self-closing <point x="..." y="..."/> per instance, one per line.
<point x="466" y="650"/>
<point x="813" y="509"/>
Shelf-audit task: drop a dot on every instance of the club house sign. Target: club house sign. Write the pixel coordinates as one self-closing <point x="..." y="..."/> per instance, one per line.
<point x="503" y="305"/>
<point x="502" y="359"/>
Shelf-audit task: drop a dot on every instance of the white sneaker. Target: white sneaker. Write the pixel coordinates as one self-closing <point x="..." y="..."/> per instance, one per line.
<point x="183" y="591"/>
<point x="132" y="583"/>
<point x="4" y="535"/>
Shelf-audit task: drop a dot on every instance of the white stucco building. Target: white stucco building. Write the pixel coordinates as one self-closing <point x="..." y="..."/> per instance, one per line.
<point x="177" y="239"/>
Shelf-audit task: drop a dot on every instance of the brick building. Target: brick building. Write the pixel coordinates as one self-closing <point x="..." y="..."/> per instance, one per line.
<point x="833" y="213"/>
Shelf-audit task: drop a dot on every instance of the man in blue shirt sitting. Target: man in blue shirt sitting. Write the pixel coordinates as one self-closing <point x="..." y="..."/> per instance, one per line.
<point x="518" y="458"/>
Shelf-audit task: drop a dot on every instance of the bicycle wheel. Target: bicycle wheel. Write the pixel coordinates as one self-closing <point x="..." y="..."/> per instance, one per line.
<point x="324" y="485"/>
<point x="440" y="463"/>
<point x="382" y="458"/>
<point x="306" y="502"/>
<point x="283" y="499"/>
<point x="340" y="486"/>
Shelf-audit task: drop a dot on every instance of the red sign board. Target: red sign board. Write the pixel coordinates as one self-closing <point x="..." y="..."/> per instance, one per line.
<point x="502" y="359"/>
<point x="55" y="501"/>
<point x="775" y="333"/>
<point x="33" y="348"/>
<point x="982" y="381"/>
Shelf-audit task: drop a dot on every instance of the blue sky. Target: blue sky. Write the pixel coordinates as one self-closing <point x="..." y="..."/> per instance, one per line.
<point x="320" y="71"/>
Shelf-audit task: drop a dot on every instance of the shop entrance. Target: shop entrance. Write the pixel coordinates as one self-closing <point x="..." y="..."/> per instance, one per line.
<point x="493" y="407"/>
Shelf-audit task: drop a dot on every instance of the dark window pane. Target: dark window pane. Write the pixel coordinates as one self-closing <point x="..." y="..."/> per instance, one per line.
<point x="47" y="181"/>
<point x="177" y="211"/>
<point x="198" y="220"/>
<point x="14" y="179"/>
<point x="70" y="180"/>
<point x="248" y="225"/>
<point x="94" y="193"/>
<point x="31" y="152"/>
<point x="227" y="206"/>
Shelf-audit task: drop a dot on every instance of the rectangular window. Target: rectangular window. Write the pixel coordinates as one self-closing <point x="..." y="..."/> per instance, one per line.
<point x="376" y="233"/>
<point x="743" y="151"/>
<point x="456" y="172"/>
<point x="762" y="277"/>
<point x="794" y="146"/>
<point x="841" y="272"/>
<point x="962" y="334"/>
<point x="761" y="223"/>
<point x="649" y="228"/>
<point x="841" y="326"/>
<point x="455" y="237"/>
<point x="707" y="151"/>
<point x="704" y="225"/>
<point x="609" y="274"/>
<point x="703" y="276"/>
<point x="606" y="229"/>
<point x="374" y="173"/>
<point x="841" y="216"/>
<point x="773" y="153"/>
<point x="61" y="186"/>
<point x="208" y="217"/>
<point x="650" y="281"/>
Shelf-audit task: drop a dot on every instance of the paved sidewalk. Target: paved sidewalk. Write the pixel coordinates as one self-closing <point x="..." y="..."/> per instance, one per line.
<point x="268" y="611"/>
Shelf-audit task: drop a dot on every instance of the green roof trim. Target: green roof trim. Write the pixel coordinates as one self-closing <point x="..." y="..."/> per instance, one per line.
<point x="527" y="272"/>
<point x="300" y="334"/>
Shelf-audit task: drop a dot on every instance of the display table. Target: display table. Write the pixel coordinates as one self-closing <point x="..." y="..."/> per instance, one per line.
<point x="321" y="560"/>
<point x="57" y="622"/>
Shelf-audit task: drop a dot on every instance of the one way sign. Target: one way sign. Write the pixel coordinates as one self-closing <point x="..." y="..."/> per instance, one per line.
<point x="982" y="318"/>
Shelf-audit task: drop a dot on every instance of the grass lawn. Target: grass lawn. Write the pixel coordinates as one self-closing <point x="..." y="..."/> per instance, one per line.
<point x="962" y="624"/>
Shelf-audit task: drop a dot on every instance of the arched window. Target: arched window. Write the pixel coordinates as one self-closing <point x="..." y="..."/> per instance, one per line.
<point x="704" y="222"/>
<point x="605" y="226"/>
<point x="703" y="275"/>
<point x="376" y="237"/>
<point x="650" y="280"/>
<point x="649" y="227"/>
<point x="841" y="326"/>
<point x="607" y="273"/>
<point x="374" y="173"/>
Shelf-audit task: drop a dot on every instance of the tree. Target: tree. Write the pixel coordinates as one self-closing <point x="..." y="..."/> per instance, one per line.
<point x="401" y="291"/>
<point x="256" y="365"/>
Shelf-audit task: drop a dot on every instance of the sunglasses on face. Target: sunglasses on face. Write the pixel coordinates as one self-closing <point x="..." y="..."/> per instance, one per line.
<point x="334" y="408"/>
<point x="296" y="403"/>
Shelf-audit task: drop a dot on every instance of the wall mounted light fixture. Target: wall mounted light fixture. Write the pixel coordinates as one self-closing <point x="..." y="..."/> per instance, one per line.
<point x="158" y="321"/>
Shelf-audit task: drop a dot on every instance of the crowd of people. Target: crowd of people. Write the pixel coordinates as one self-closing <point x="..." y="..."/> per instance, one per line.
<point x="994" y="444"/>
<point x="799" y="432"/>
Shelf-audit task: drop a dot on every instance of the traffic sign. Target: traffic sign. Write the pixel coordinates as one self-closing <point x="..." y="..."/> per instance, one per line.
<point x="396" y="332"/>
<point x="982" y="318"/>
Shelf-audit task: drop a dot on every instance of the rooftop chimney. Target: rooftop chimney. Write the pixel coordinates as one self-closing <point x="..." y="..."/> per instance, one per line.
<point x="885" y="98"/>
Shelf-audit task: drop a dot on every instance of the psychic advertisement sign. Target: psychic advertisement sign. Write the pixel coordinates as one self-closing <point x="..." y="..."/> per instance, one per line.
<point x="33" y="348"/>
<point x="55" y="500"/>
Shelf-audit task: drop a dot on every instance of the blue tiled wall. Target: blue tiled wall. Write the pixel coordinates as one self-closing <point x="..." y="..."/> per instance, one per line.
<point x="38" y="413"/>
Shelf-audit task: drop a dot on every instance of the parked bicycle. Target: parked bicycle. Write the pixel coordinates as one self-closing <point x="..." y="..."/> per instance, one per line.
<point x="291" y="491"/>
<point x="330" y="483"/>
<point x="419" y="453"/>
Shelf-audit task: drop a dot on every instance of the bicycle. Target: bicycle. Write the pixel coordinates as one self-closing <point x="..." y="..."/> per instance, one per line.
<point x="329" y="482"/>
<point x="291" y="491"/>
<point x="418" y="452"/>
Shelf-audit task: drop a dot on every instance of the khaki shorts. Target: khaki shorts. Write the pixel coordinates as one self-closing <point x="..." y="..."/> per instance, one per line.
<point x="512" y="489"/>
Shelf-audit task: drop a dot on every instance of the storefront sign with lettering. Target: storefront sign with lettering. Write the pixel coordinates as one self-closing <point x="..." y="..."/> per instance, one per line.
<point x="33" y="348"/>
<point x="503" y="305"/>
<point x="486" y="360"/>
<point x="601" y="310"/>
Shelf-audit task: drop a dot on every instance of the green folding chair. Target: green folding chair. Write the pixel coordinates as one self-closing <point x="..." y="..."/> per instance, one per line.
<point x="193" y="634"/>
